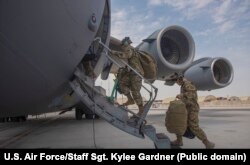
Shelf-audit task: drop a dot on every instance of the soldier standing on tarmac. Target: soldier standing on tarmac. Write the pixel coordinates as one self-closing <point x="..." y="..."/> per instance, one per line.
<point x="188" y="95"/>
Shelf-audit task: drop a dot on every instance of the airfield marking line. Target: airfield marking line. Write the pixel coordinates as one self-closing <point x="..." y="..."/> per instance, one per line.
<point x="17" y="137"/>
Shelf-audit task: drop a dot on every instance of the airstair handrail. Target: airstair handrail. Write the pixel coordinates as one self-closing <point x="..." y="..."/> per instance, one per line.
<point x="151" y="99"/>
<point x="146" y="80"/>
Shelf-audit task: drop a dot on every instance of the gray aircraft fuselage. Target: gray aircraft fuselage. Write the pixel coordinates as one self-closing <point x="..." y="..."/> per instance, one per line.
<point x="41" y="44"/>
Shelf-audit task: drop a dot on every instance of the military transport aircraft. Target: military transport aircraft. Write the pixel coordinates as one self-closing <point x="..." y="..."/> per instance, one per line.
<point x="43" y="44"/>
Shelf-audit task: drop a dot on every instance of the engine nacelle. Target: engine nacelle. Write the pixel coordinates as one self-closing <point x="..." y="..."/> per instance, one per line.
<point x="172" y="47"/>
<point x="210" y="73"/>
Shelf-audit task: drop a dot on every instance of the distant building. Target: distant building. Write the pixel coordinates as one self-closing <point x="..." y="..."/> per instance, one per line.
<point x="234" y="98"/>
<point x="122" y="100"/>
<point x="167" y="100"/>
<point x="221" y="98"/>
<point x="210" y="98"/>
<point x="156" y="103"/>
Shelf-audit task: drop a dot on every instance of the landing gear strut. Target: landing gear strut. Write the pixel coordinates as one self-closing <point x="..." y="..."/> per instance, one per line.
<point x="78" y="114"/>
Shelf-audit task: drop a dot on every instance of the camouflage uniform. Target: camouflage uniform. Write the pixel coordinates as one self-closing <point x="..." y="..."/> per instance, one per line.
<point x="87" y="64"/>
<point x="89" y="71"/>
<point x="189" y="97"/>
<point x="128" y="80"/>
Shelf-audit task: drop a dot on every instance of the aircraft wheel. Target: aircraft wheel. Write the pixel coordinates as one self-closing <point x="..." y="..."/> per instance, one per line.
<point x="22" y="118"/>
<point x="78" y="114"/>
<point x="13" y="119"/>
<point x="90" y="116"/>
<point x="2" y="120"/>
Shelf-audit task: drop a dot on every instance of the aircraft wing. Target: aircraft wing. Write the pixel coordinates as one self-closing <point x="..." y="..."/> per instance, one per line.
<point x="174" y="50"/>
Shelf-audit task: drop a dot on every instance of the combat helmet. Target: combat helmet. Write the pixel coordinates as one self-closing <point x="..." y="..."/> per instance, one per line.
<point x="126" y="41"/>
<point x="176" y="76"/>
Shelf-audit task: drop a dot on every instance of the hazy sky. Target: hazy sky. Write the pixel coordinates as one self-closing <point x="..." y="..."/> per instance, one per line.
<point x="220" y="28"/>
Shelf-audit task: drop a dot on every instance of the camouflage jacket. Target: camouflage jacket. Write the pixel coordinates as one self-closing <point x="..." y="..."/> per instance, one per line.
<point x="133" y="59"/>
<point x="188" y="93"/>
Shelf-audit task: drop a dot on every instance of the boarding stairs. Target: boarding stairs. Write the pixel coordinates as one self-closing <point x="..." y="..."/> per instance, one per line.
<point x="126" y="120"/>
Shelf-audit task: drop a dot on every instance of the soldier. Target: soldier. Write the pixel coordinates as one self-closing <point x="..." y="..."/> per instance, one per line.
<point x="189" y="96"/>
<point x="88" y="68"/>
<point x="130" y="82"/>
<point x="89" y="71"/>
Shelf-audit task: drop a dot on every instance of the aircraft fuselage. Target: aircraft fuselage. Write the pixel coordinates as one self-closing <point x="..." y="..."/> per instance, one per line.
<point x="41" y="44"/>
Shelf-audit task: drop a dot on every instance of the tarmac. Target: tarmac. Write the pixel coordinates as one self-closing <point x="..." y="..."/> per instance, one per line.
<point x="227" y="128"/>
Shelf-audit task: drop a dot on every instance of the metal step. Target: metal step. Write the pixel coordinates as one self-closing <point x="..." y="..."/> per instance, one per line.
<point x="160" y="139"/>
<point x="93" y="97"/>
<point x="114" y="115"/>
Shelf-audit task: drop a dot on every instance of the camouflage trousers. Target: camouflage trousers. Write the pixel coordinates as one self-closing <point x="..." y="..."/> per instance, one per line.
<point x="193" y="121"/>
<point x="89" y="70"/>
<point x="131" y="83"/>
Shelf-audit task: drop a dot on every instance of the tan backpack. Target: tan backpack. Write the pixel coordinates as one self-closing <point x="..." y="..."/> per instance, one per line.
<point x="149" y="65"/>
<point x="176" y="117"/>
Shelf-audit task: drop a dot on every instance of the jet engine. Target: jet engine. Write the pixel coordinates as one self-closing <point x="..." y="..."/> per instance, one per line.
<point x="174" y="50"/>
<point x="210" y="73"/>
<point x="172" y="47"/>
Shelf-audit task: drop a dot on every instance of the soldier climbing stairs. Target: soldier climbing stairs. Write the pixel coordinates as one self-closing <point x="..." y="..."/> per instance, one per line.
<point x="119" y="116"/>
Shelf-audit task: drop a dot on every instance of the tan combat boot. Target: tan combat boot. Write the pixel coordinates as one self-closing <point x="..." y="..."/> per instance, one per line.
<point x="130" y="100"/>
<point x="178" y="141"/>
<point x="141" y="109"/>
<point x="208" y="144"/>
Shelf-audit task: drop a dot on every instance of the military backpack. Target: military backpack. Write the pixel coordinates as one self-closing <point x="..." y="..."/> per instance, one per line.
<point x="176" y="117"/>
<point x="149" y="65"/>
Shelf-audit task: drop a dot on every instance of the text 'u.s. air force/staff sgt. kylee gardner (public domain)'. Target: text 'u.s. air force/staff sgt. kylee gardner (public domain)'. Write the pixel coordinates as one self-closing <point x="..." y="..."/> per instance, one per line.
<point x="119" y="157"/>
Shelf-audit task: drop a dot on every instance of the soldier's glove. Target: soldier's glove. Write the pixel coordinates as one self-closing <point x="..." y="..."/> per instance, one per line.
<point x="112" y="52"/>
<point x="178" y="96"/>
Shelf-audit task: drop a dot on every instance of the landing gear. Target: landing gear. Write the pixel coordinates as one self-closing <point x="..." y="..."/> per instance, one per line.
<point x="78" y="114"/>
<point x="14" y="119"/>
<point x="91" y="116"/>
<point x="88" y="114"/>
<point x="3" y="119"/>
<point x="22" y="118"/>
<point x="18" y="119"/>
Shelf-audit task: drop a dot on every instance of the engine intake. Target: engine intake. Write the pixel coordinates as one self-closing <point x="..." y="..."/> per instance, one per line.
<point x="172" y="47"/>
<point x="210" y="73"/>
